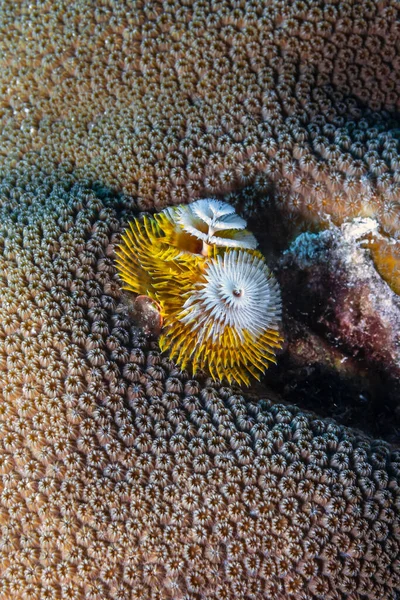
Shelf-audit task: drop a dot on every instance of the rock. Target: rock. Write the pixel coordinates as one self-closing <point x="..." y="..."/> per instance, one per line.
<point x="342" y="322"/>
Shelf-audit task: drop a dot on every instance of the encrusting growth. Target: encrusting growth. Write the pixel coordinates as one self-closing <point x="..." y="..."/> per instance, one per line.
<point x="120" y="477"/>
<point x="295" y="101"/>
<point x="219" y="301"/>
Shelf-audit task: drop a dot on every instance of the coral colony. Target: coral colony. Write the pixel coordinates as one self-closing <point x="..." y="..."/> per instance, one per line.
<point x="219" y="301"/>
<point x="121" y="476"/>
<point x="180" y="100"/>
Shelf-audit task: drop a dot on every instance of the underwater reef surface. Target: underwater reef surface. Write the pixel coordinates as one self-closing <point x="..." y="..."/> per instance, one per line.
<point x="121" y="476"/>
<point x="342" y="330"/>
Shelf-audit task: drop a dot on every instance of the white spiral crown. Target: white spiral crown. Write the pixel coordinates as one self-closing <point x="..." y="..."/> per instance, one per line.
<point x="215" y="223"/>
<point x="239" y="292"/>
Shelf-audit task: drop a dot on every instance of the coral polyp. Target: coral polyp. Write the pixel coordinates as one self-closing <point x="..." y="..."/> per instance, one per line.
<point x="227" y="321"/>
<point x="220" y="305"/>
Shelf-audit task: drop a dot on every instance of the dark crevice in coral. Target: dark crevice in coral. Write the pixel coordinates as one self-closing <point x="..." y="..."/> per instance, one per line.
<point x="366" y="399"/>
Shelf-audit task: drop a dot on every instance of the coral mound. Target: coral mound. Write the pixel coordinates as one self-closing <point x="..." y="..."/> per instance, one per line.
<point x="120" y="476"/>
<point x="178" y="100"/>
<point x="123" y="478"/>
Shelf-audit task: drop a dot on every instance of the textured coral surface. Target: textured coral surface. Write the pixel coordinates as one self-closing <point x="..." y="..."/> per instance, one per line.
<point x="166" y="100"/>
<point x="121" y="478"/>
<point x="171" y="100"/>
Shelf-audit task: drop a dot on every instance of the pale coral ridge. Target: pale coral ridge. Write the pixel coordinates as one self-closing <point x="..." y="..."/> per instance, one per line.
<point x="169" y="100"/>
<point x="122" y="478"/>
<point x="173" y="100"/>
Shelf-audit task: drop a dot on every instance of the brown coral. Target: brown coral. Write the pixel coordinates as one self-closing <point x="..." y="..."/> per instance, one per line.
<point x="178" y="99"/>
<point x="120" y="477"/>
<point x="297" y="100"/>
